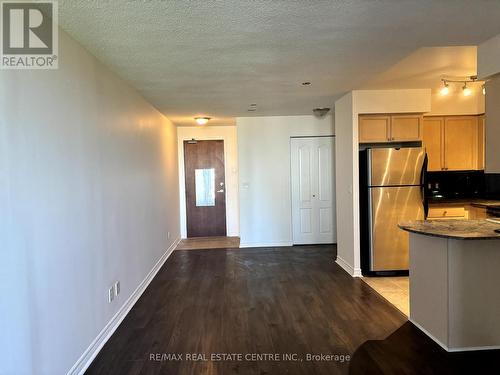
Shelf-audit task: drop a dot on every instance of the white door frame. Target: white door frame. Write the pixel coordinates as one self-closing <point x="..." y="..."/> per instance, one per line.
<point x="182" y="179"/>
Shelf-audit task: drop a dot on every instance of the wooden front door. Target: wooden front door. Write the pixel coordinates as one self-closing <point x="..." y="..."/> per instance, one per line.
<point x="205" y="188"/>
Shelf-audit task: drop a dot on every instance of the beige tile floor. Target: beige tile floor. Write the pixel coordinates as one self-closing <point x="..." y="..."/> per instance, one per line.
<point x="393" y="289"/>
<point x="198" y="243"/>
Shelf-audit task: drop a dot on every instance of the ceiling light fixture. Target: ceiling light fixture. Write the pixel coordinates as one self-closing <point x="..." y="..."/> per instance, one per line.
<point x="321" y="111"/>
<point x="445" y="90"/>
<point x="201" y="120"/>
<point x="466" y="90"/>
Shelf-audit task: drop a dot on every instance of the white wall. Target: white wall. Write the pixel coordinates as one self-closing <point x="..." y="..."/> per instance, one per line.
<point x="488" y="58"/>
<point x="89" y="189"/>
<point x="489" y="67"/>
<point x="455" y="103"/>
<point x="345" y="157"/>
<point x="347" y="110"/>
<point x="391" y="101"/>
<point x="228" y="135"/>
<point x="492" y="148"/>
<point x="264" y="175"/>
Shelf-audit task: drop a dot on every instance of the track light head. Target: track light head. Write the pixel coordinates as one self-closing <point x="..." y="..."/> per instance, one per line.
<point x="466" y="90"/>
<point x="445" y="90"/>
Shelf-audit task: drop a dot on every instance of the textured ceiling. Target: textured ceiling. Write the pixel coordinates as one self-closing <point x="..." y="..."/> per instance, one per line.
<point x="216" y="57"/>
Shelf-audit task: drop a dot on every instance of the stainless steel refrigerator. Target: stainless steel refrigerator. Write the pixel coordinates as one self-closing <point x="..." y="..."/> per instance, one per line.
<point x="391" y="191"/>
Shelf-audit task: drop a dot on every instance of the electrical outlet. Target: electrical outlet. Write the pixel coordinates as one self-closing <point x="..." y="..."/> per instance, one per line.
<point x="117" y="288"/>
<point x="168" y="235"/>
<point x="111" y="294"/>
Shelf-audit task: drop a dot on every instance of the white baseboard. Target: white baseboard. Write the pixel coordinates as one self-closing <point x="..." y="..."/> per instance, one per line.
<point x="91" y="352"/>
<point x="354" y="272"/>
<point x="357" y="273"/>
<point x="265" y="244"/>
<point x="474" y="348"/>
<point x="448" y="349"/>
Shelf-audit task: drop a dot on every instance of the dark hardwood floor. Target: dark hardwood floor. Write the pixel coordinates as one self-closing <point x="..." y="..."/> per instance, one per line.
<point x="293" y="301"/>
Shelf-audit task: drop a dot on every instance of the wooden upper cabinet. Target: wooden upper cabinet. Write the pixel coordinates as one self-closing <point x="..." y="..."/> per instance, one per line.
<point x="374" y="128"/>
<point x="389" y="128"/>
<point x="460" y="143"/>
<point x="481" y="141"/>
<point x="405" y="128"/>
<point x="432" y="140"/>
<point x="454" y="143"/>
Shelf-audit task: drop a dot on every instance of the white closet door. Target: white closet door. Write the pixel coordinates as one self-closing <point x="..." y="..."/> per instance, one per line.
<point x="313" y="190"/>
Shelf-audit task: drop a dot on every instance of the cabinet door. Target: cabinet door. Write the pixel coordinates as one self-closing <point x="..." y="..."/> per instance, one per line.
<point x="432" y="137"/>
<point x="460" y="143"/>
<point x="406" y="128"/>
<point x="480" y="142"/>
<point x="476" y="213"/>
<point x="374" y="128"/>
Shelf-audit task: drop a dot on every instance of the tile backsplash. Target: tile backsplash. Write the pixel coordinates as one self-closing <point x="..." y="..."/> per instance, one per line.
<point x="492" y="182"/>
<point x="463" y="185"/>
<point x="456" y="185"/>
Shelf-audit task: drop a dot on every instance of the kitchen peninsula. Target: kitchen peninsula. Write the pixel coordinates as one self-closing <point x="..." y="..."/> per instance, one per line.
<point x="454" y="278"/>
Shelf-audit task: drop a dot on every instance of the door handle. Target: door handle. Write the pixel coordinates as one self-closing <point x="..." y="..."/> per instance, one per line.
<point x="220" y="191"/>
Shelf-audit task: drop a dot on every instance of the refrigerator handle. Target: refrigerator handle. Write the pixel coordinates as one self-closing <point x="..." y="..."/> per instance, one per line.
<point x="423" y="182"/>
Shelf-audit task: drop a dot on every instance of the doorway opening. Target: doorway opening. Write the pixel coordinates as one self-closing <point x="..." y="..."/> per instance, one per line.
<point x="205" y="187"/>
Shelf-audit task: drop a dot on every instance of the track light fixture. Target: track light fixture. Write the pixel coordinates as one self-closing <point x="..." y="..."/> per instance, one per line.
<point x="466" y="90"/>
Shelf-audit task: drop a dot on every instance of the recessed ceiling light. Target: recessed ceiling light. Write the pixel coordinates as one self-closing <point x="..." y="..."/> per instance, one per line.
<point x="306" y="83"/>
<point x="201" y="120"/>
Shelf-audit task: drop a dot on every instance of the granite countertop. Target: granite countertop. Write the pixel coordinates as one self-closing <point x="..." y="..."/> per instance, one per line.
<point x="485" y="203"/>
<point x="454" y="229"/>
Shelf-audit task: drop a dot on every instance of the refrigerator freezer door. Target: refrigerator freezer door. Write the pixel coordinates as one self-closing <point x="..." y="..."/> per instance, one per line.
<point x="390" y="206"/>
<point x="392" y="167"/>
